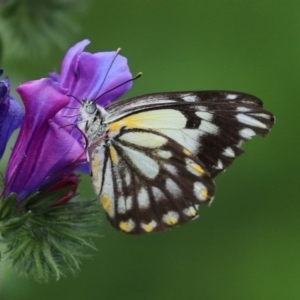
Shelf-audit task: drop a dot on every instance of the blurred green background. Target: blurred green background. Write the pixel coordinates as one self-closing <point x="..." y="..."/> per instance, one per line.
<point x="247" y="244"/>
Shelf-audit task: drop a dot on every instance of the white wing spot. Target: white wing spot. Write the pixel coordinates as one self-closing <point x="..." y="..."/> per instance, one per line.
<point x="129" y="202"/>
<point x="201" y="108"/>
<point x="150" y="226"/>
<point x="171" y="218"/>
<point x="143" y="163"/>
<point x="172" y="169"/>
<point x="204" y="115"/>
<point x="240" y="143"/>
<point x="189" y="98"/>
<point x="127" y="178"/>
<point x="208" y="127"/>
<point x="127" y="226"/>
<point x="229" y="152"/>
<point x="200" y="191"/>
<point x="190" y="211"/>
<point x="250" y="121"/>
<point x="124" y="204"/>
<point x="194" y="168"/>
<point x="265" y="116"/>
<point x="173" y="188"/>
<point x="243" y="109"/>
<point x="144" y="139"/>
<point x="247" y="133"/>
<point x="231" y="96"/>
<point x="108" y="190"/>
<point x="188" y="138"/>
<point x="121" y="205"/>
<point x="143" y="198"/>
<point x="164" y="154"/>
<point x="157" y="193"/>
<point x="219" y="166"/>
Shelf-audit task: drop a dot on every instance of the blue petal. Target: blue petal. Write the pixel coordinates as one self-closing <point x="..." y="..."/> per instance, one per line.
<point x="11" y="114"/>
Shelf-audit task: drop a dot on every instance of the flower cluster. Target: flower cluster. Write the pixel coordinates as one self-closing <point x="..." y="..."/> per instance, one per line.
<point x="43" y="224"/>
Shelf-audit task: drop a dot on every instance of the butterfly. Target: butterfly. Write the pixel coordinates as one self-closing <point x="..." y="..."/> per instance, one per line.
<point x="154" y="157"/>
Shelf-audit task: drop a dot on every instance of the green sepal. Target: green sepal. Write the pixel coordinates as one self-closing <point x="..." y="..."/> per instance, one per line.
<point x="9" y="206"/>
<point x="42" y="201"/>
<point x="12" y="224"/>
<point x="43" y="240"/>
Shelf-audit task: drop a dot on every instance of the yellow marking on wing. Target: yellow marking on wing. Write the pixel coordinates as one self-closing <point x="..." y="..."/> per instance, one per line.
<point x="192" y="211"/>
<point x="135" y="120"/>
<point x="96" y="171"/>
<point x="204" y="194"/>
<point x="113" y="155"/>
<point x="197" y="168"/>
<point x="106" y="202"/>
<point x="122" y="123"/>
<point x="160" y="118"/>
<point x="150" y="226"/>
<point x="171" y="220"/>
<point x="126" y="226"/>
<point x="187" y="152"/>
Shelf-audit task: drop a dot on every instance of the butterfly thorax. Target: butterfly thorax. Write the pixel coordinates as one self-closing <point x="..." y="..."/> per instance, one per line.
<point x="92" y="120"/>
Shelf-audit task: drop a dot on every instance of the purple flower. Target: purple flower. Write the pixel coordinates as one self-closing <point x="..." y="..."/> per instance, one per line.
<point x="87" y="75"/>
<point x="44" y="153"/>
<point x="46" y="231"/>
<point x="11" y="114"/>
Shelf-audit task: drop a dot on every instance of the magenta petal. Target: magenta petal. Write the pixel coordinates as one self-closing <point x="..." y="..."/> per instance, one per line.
<point x="87" y="75"/>
<point x="70" y="63"/>
<point x="54" y="76"/>
<point x="43" y="150"/>
<point x="92" y="82"/>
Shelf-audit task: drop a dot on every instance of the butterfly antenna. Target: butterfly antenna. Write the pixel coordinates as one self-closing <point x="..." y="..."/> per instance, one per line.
<point x="73" y="124"/>
<point x="71" y="107"/>
<point x="107" y="72"/>
<point x="71" y="116"/>
<point x="131" y="79"/>
<point x="75" y="99"/>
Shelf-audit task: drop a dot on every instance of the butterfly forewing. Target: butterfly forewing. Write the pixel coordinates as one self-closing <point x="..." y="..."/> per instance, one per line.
<point x="211" y="124"/>
<point x="160" y="152"/>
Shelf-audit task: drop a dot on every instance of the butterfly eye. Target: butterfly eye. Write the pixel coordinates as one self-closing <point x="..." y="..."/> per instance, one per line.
<point x="91" y="108"/>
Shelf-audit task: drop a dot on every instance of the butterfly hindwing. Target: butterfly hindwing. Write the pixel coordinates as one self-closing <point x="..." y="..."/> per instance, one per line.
<point x="150" y="182"/>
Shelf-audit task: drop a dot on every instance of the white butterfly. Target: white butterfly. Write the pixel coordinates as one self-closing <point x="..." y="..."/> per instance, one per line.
<point x="154" y="157"/>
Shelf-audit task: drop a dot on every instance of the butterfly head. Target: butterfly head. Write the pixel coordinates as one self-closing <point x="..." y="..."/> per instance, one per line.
<point x="90" y="107"/>
<point x="89" y="110"/>
<point x="91" y="117"/>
